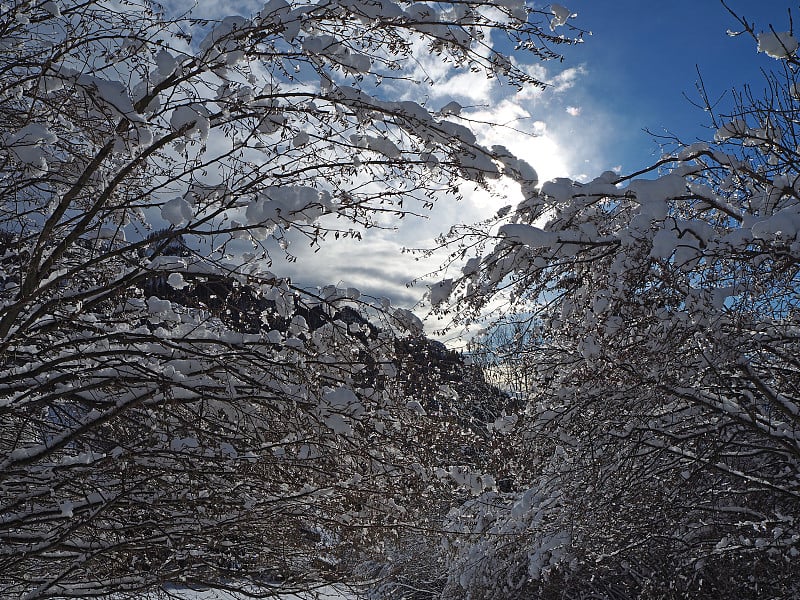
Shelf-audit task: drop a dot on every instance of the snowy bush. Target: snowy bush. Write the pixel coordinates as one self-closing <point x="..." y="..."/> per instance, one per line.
<point x="150" y="433"/>
<point x="658" y="315"/>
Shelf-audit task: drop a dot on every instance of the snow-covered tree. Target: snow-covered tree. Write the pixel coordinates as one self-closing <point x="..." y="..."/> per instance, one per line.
<point x="151" y="433"/>
<point x="658" y="315"/>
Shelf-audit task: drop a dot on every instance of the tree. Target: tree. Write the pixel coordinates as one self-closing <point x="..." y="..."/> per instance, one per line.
<point x="149" y="432"/>
<point x="658" y="318"/>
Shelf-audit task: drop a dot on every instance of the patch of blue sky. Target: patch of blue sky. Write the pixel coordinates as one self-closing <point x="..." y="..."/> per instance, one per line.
<point x="643" y="61"/>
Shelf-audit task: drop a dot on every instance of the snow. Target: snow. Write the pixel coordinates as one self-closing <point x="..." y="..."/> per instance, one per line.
<point x="472" y="267"/>
<point x="275" y="11"/>
<point x="381" y="145"/>
<point x="49" y="85"/>
<point x="504" y="423"/>
<point x="220" y="37"/>
<point x="329" y="47"/>
<point x="777" y="44"/>
<point x="459" y="132"/>
<point x="408" y="320"/>
<point x="370" y="10"/>
<point x="110" y="96"/>
<point x="515" y="7"/>
<point x="26" y="145"/>
<point x="301" y="139"/>
<point x="560" y="188"/>
<point x="271" y="124"/>
<point x="176" y="281"/>
<point x="327" y="592"/>
<point x="166" y="63"/>
<point x="338" y="424"/>
<point x="288" y="204"/>
<point x="519" y="170"/>
<point x="342" y="399"/>
<point x="415" y="406"/>
<point x="182" y="444"/>
<point x="560" y="16"/>
<point x="784" y="224"/>
<point x="657" y="191"/>
<point x="451" y="108"/>
<point x="664" y="244"/>
<point x="177" y="211"/>
<point x="194" y="118"/>
<point x="51" y="8"/>
<point x="166" y="263"/>
<point x="692" y="150"/>
<point x="735" y="128"/>
<point x="158" y="306"/>
<point x="440" y="292"/>
<point x="528" y="235"/>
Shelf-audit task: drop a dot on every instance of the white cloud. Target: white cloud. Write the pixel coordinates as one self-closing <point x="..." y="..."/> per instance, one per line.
<point x="536" y="131"/>
<point x="510" y="124"/>
<point x="532" y="124"/>
<point x="376" y="265"/>
<point x="453" y="83"/>
<point x="567" y="78"/>
<point x="214" y="9"/>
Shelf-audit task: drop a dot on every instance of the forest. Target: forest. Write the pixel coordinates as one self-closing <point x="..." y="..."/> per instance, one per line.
<point x="178" y="414"/>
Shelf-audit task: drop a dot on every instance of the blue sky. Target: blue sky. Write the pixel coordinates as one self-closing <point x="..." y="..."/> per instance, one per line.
<point x="637" y="70"/>
<point x="641" y="64"/>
